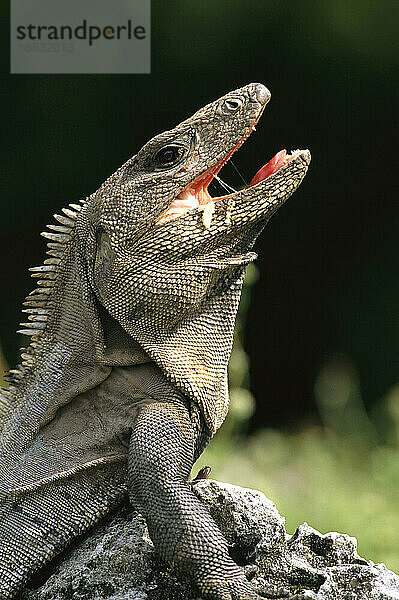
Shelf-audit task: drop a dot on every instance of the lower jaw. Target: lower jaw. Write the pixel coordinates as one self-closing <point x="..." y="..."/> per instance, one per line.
<point x="196" y="193"/>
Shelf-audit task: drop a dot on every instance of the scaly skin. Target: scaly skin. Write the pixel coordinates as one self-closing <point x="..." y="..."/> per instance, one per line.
<point x="124" y="381"/>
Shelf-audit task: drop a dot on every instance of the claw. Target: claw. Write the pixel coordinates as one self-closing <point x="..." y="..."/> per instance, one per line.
<point x="202" y="474"/>
<point x="225" y="587"/>
<point x="273" y="593"/>
<point x="300" y="596"/>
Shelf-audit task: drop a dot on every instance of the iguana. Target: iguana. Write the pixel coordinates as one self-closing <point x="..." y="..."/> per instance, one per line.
<point x="124" y="381"/>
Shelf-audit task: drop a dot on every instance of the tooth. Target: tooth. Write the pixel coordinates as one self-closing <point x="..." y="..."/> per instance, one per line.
<point x="229" y="210"/>
<point x="207" y="214"/>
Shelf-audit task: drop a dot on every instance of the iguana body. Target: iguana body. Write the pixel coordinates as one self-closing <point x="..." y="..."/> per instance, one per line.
<point x="125" y="379"/>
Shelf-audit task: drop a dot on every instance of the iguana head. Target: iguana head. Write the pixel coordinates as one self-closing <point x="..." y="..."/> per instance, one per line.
<point x="155" y="213"/>
<point x="166" y="260"/>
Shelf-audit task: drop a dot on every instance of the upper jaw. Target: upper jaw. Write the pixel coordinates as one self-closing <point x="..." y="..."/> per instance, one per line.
<point x="196" y="192"/>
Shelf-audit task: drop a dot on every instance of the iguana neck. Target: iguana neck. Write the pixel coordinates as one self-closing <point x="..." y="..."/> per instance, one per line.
<point x="68" y="352"/>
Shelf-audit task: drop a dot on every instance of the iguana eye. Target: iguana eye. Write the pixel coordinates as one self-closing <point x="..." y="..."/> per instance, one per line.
<point x="168" y="156"/>
<point x="232" y="104"/>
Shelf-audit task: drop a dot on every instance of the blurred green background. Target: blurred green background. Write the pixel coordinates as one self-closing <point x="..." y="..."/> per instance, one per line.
<point x="315" y="400"/>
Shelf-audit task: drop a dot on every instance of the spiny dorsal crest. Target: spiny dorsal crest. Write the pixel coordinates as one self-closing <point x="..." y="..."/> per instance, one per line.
<point x="39" y="302"/>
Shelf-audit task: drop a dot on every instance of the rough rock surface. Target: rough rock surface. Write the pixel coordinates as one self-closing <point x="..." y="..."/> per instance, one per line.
<point x="116" y="560"/>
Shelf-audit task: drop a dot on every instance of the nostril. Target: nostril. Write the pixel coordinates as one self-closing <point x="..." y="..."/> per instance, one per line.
<point x="262" y="93"/>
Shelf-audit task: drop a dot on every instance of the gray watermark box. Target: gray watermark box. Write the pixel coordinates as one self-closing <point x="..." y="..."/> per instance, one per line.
<point x="80" y="36"/>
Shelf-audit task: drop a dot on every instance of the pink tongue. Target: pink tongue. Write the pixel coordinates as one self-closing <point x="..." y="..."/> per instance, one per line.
<point x="272" y="166"/>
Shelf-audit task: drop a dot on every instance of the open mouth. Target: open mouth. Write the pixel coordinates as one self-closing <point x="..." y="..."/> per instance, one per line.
<point x="196" y="193"/>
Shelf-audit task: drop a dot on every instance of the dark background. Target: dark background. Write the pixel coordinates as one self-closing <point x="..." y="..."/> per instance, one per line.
<point x="328" y="260"/>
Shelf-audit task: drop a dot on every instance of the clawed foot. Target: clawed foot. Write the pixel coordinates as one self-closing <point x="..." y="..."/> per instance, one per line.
<point x="219" y="587"/>
<point x="282" y="594"/>
<point x="237" y="587"/>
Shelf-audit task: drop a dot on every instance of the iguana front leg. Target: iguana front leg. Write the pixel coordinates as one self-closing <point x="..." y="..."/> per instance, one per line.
<point x="161" y="455"/>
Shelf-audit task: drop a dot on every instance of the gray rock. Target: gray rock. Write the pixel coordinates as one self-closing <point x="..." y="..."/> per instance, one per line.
<point x="116" y="561"/>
